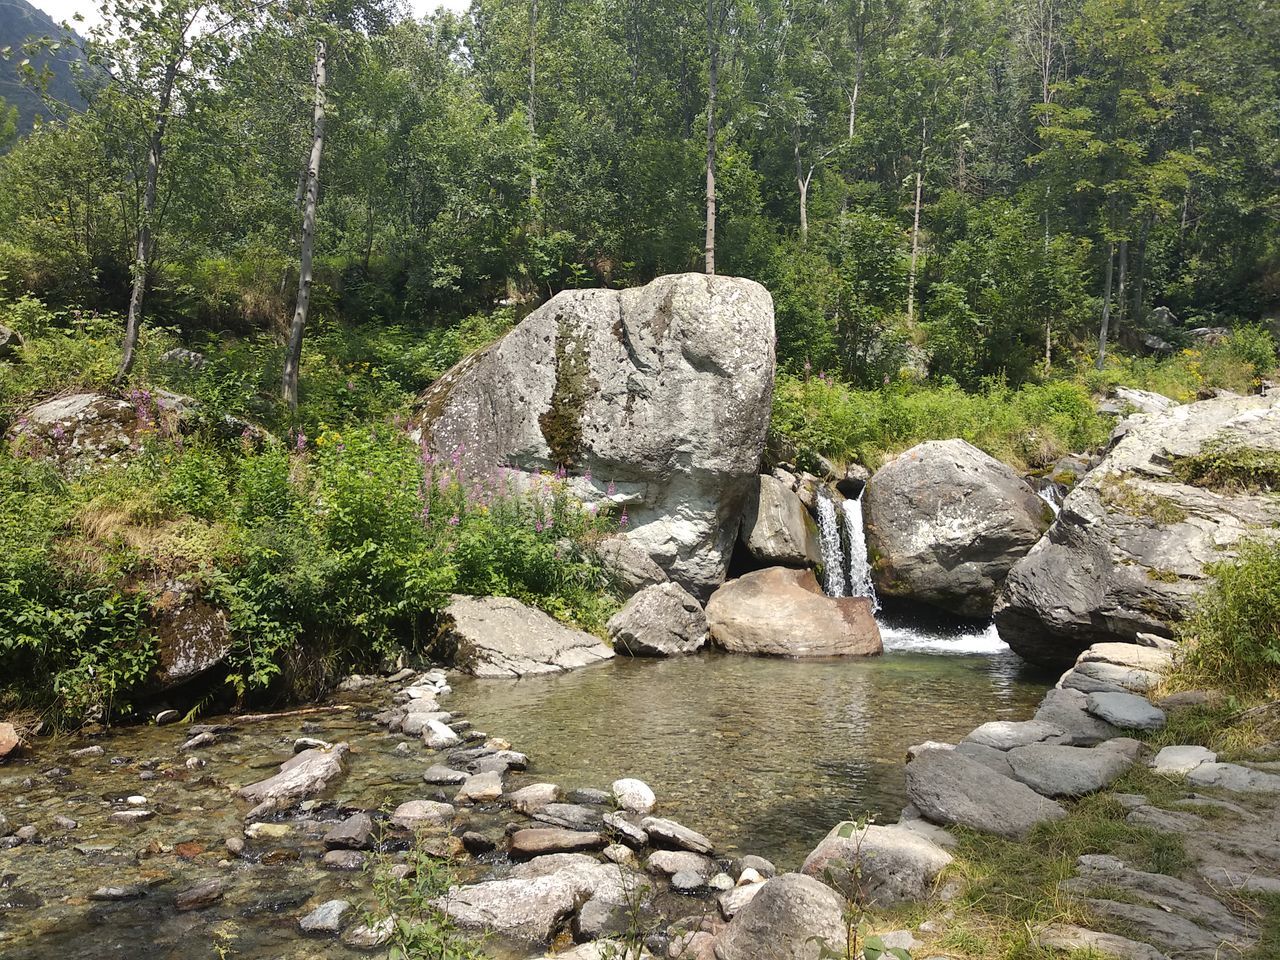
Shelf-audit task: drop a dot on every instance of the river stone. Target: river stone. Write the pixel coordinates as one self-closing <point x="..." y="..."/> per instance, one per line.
<point x="791" y="918"/>
<point x="1098" y="677"/>
<point x="1065" y="709"/>
<point x="440" y="775"/>
<point x="762" y="866"/>
<point x="953" y="790"/>
<point x="10" y="739"/>
<point x="354" y="833"/>
<point x="628" y="566"/>
<point x="945" y="522"/>
<point x="626" y="831"/>
<point x="671" y="835"/>
<point x="600" y="918"/>
<point x="303" y="775"/>
<point x="1181" y="760"/>
<point x="534" y="904"/>
<point x="326" y="918"/>
<point x="776" y="527"/>
<point x="537" y="841"/>
<point x="1053" y="770"/>
<point x="533" y="797"/>
<point x="1129" y="551"/>
<point x="670" y="862"/>
<point x="1067" y="938"/>
<point x="997" y="760"/>
<point x="203" y="894"/>
<point x="480" y="788"/>
<point x="570" y="816"/>
<point x="783" y="612"/>
<point x="348" y="860"/>
<point x="656" y="398"/>
<point x="1232" y="776"/>
<point x="1007" y="734"/>
<point x="660" y="621"/>
<point x="370" y="936"/>
<point x="893" y="864"/>
<point x="437" y="735"/>
<point x="413" y="814"/>
<point x="501" y="637"/>
<point x="731" y="901"/>
<point x="687" y="881"/>
<point x="1127" y="711"/>
<point x="634" y="796"/>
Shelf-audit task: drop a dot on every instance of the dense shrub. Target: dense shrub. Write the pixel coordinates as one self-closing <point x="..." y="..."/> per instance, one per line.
<point x="1233" y="639"/>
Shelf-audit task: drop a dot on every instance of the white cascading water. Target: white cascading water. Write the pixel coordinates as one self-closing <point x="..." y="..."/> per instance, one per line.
<point x="833" y="580"/>
<point x="860" y="583"/>
<point x="1049" y="494"/>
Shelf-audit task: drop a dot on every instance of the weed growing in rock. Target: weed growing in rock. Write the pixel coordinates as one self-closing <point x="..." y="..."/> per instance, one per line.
<point x="1231" y="467"/>
<point x="412" y="898"/>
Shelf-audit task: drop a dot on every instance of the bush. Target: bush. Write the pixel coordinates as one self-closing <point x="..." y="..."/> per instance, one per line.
<point x="1231" y="467"/>
<point x="1233" y="639"/>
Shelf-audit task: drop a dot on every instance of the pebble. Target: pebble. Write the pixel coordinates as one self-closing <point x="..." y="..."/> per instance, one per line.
<point x="86" y="752"/>
<point x="343" y="860"/>
<point x="166" y="717"/>
<point x="130" y="892"/>
<point x="137" y="800"/>
<point x="131" y="816"/>
<point x="203" y="894"/>
<point x="64" y="823"/>
<point x="27" y="834"/>
<point x="326" y="918"/>
<point x="235" y="846"/>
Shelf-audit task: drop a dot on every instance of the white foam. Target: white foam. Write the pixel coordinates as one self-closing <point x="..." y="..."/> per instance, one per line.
<point x="914" y="640"/>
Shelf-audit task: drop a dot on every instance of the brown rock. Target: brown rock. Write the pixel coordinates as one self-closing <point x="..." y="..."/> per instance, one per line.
<point x="537" y="841"/>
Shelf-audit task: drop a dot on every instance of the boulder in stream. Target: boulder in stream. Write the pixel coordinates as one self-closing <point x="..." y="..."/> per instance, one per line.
<point x="663" y="620"/>
<point x="501" y="637"/>
<point x="791" y="917"/>
<point x="782" y="612"/>
<point x="945" y="522"/>
<point x="303" y="775"/>
<point x="655" y="399"/>
<point x="776" y="527"/>
<point x="952" y="789"/>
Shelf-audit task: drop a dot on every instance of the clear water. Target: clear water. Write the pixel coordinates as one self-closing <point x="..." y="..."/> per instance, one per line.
<point x="763" y="755"/>
<point x="829" y="542"/>
<point x="860" y="582"/>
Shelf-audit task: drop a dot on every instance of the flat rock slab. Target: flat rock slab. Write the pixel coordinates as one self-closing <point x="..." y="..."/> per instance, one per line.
<point x="1177" y="936"/>
<point x="480" y="788"/>
<point x="413" y="814"/>
<point x="1061" y="936"/>
<point x="303" y="775"/>
<point x="1232" y="776"/>
<point x="501" y="637"/>
<point x="1007" y="734"/>
<point x="1100" y="677"/>
<point x="1126" y="710"/>
<point x="533" y="797"/>
<point x="1066" y="709"/>
<point x="668" y="833"/>
<point x="1057" y="771"/>
<point x="954" y="790"/>
<point x="537" y="841"/>
<point x="326" y="918"/>
<point x="1181" y="760"/>
<point x="1135" y="655"/>
<point x="440" y="775"/>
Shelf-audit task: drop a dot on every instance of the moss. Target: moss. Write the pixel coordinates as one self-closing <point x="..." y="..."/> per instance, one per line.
<point x="1118" y="493"/>
<point x="1162" y="576"/>
<point x="561" y="423"/>
<point x="1227" y="466"/>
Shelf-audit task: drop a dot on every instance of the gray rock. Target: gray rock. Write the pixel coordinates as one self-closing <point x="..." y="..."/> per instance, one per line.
<point x="776" y="527"/>
<point x="1127" y="711"/>
<point x="626" y="831"/>
<point x="600" y="918"/>
<point x="353" y="833"/>
<point x="501" y="637"/>
<point x="133" y="891"/>
<point x="11" y="343"/>
<point x="990" y="757"/>
<point x="413" y="814"/>
<point x="348" y="860"/>
<point x="303" y="775"/>
<point x="954" y="790"/>
<point x="326" y="918"/>
<point x="1181" y="760"/>
<point x="783" y="612"/>
<point x="665" y="389"/>
<point x="891" y="864"/>
<point x="633" y="796"/>
<point x="1231" y="776"/>
<point x="437" y="735"/>
<point x="203" y="894"/>
<point x="687" y="881"/>
<point x="570" y="816"/>
<point x="480" y="788"/>
<point x="1128" y="553"/>
<point x="1053" y="770"/>
<point x="670" y="862"/>
<point x="1093" y="677"/>
<point x="762" y="866"/>
<point x="664" y="620"/>
<point x="538" y="841"/>
<point x="732" y="901"/>
<point x="630" y="568"/>
<point x="1007" y="734"/>
<point x="441" y="775"/>
<point x="1065" y="709"/>
<point x="371" y="935"/>
<point x="790" y="918"/>
<point x="533" y="797"/>
<point x="671" y="835"/>
<point x="1061" y="936"/>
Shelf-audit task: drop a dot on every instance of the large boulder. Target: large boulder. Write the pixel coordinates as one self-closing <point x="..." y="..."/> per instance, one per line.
<point x="501" y="637"/>
<point x="654" y="399"/>
<point x="192" y="635"/>
<point x="306" y="774"/>
<point x="886" y="865"/>
<point x="629" y="567"/>
<point x="792" y="917"/>
<point x="952" y="789"/>
<point x="945" y="522"/>
<point x="1129" y="549"/>
<point x="782" y="612"/>
<point x="776" y="527"/>
<point x="660" y="621"/>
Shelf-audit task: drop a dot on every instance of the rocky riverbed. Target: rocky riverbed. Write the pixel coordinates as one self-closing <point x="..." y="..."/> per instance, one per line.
<point x="141" y="842"/>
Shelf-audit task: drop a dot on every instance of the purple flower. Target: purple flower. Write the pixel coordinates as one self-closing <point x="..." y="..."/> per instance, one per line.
<point x="300" y="443"/>
<point x="611" y="489"/>
<point x="537" y="526"/>
<point x="454" y="520"/>
<point x="587" y="476"/>
<point x="624" y="519"/>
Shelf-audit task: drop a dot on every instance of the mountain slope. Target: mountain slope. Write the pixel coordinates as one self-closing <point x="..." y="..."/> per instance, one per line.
<point x="19" y="22"/>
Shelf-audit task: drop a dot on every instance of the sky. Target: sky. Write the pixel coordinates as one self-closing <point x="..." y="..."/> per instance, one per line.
<point x="62" y="10"/>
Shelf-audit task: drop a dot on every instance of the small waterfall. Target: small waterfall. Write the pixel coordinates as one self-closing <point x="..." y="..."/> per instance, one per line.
<point x="833" y="581"/>
<point x="860" y="583"/>
<point x="1049" y="494"/>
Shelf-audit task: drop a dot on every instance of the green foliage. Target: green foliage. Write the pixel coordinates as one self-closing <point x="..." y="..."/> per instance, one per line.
<point x="1231" y="467"/>
<point x="420" y="928"/>
<point x="1233" y="639"/>
<point x="1031" y="426"/>
<point x="1238" y="364"/>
